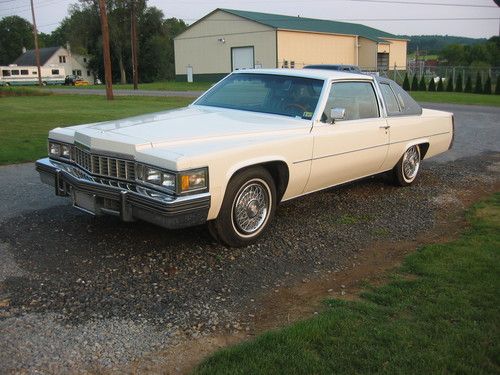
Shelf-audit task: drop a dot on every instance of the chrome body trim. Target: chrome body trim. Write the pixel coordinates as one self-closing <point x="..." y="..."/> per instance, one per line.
<point x="128" y="200"/>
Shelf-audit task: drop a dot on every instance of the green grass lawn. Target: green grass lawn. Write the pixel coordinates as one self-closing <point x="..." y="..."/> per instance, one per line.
<point x="440" y="314"/>
<point x="166" y="85"/>
<point x="456" y="98"/>
<point x="26" y="120"/>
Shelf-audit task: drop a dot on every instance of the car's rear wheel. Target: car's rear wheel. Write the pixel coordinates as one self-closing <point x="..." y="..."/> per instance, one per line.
<point x="247" y="209"/>
<point x="406" y="170"/>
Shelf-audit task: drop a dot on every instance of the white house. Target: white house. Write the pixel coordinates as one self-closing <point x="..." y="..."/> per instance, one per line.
<point x="58" y="57"/>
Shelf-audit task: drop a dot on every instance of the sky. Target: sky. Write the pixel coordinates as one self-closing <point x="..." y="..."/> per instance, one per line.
<point x="423" y="17"/>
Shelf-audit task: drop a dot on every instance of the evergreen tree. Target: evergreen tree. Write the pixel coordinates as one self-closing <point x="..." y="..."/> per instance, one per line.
<point x="432" y="85"/>
<point x="497" y="86"/>
<point x="449" y="84"/>
<point x="440" y="86"/>
<point x="487" y="86"/>
<point x="406" y="83"/>
<point x="468" y="84"/>
<point x="459" y="84"/>
<point x="422" y="86"/>
<point x="478" y="88"/>
<point x="414" y="83"/>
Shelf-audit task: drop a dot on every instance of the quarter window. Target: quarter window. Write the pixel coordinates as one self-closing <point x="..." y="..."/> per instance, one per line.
<point x="390" y="99"/>
<point x="357" y="98"/>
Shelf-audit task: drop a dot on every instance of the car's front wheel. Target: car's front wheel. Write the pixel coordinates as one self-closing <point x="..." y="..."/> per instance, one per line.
<point x="406" y="170"/>
<point x="248" y="207"/>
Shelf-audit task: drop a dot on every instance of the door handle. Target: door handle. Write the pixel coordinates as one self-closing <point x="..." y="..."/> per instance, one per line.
<point x="385" y="127"/>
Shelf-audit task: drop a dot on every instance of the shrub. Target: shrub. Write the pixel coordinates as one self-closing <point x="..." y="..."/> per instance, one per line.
<point x="478" y="88"/>
<point x="487" y="86"/>
<point x="468" y="84"/>
<point x="432" y="85"/>
<point x="449" y="84"/>
<point x="459" y="83"/>
<point x="422" y="86"/>
<point x="406" y="83"/>
<point x="497" y="86"/>
<point x="414" y="83"/>
<point x="440" y="86"/>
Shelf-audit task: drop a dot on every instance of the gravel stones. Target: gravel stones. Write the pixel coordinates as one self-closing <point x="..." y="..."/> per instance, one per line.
<point x="88" y="293"/>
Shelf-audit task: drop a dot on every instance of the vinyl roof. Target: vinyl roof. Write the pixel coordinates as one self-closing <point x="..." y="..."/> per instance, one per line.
<point x="28" y="58"/>
<point x="278" y="21"/>
<point x="307" y="73"/>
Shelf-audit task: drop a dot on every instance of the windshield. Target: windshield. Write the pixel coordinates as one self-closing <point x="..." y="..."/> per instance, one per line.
<point x="267" y="93"/>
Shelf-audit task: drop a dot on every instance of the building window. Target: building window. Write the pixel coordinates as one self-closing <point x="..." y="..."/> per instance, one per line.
<point x="34" y="72"/>
<point x="292" y="64"/>
<point x="55" y="71"/>
<point x="88" y="73"/>
<point x="74" y="72"/>
<point x="24" y="72"/>
<point x="285" y="64"/>
<point x="78" y="72"/>
<point x="84" y="59"/>
<point x="15" y="72"/>
<point x="6" y="73"/>
<point x="62" y="59"/>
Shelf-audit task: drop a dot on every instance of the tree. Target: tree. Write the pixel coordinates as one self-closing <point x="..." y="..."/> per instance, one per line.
<point x="449" y="84"/>
<point x="455" y="54"/>
<point x="468" y="84"/>
<point x="406" y="83"/>
<point x="432" y="85"/>
<point x="422" y="86"/>
<point x="478" y="88"/>
<point x="487" y="86"/>
<point x="15" y="33"/>
<point x="414" y="83"/>
<point x="459" y="83"/>
<point x="497" y="86"/>
<point x="440" y="85"/>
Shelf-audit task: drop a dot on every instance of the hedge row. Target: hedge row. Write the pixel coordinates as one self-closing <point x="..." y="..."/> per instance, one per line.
<point x="447" y="84"/>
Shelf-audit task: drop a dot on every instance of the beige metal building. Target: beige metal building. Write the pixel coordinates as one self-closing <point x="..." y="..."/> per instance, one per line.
<point x="227" y="39"/>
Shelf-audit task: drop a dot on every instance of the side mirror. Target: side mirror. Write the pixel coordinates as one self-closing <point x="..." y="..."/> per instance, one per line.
<point x="337" y="114"/>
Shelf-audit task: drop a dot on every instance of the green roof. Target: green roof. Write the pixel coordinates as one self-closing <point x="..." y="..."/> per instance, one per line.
<point x="278" y="21"/>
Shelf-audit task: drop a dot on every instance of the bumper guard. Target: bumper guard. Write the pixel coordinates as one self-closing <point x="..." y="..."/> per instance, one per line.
<point x="129" y="201"/>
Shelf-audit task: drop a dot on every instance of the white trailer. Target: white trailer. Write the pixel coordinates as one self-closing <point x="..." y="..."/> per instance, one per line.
<point x="14" y="75"/>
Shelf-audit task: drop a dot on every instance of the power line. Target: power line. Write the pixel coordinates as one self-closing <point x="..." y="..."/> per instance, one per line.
<point x="424" y="3"/>
<point x="300" y="19"/>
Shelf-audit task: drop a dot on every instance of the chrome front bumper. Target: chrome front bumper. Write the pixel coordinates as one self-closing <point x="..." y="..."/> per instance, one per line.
<point x="129" y="201"/>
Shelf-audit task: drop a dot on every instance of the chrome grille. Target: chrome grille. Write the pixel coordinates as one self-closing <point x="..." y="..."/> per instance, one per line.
<point x="104" y="165"/>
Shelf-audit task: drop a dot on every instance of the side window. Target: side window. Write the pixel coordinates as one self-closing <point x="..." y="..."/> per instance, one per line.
<point x="357" y="98"/>
<point x="407" y="104"/>
<point x="390" y="99"/>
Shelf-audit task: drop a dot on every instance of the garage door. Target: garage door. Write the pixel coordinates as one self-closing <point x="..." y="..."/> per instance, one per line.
<point x="242" y="57"/>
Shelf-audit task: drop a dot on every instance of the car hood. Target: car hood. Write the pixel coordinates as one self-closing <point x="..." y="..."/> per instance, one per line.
<point x="171" y="129"/>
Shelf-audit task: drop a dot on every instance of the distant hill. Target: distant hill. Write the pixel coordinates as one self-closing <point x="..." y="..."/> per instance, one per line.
<point x="433" y="44"/>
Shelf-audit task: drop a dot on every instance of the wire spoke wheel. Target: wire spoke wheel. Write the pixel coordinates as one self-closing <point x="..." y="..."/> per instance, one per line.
<point x="411" y="163"/>
<point x="251" y="207"/>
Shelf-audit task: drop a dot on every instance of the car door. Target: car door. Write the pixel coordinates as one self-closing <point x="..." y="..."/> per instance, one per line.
<point x="351" y="148"/>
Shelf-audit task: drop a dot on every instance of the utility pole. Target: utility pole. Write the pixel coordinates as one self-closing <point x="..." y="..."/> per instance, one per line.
<point x="37" y="51"/>
<point x="105" y="49"/>
<point x="133" y="43"/>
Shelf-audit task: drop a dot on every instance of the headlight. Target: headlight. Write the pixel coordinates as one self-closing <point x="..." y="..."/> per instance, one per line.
<point x="59" y="150"/>
<point x="158" y="177"/>
<point x="193" y="180"/>
<point x="180" y="182"/>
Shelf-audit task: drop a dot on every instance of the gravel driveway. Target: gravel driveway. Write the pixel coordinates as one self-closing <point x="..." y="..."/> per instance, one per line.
<point x="84" y="294"/>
